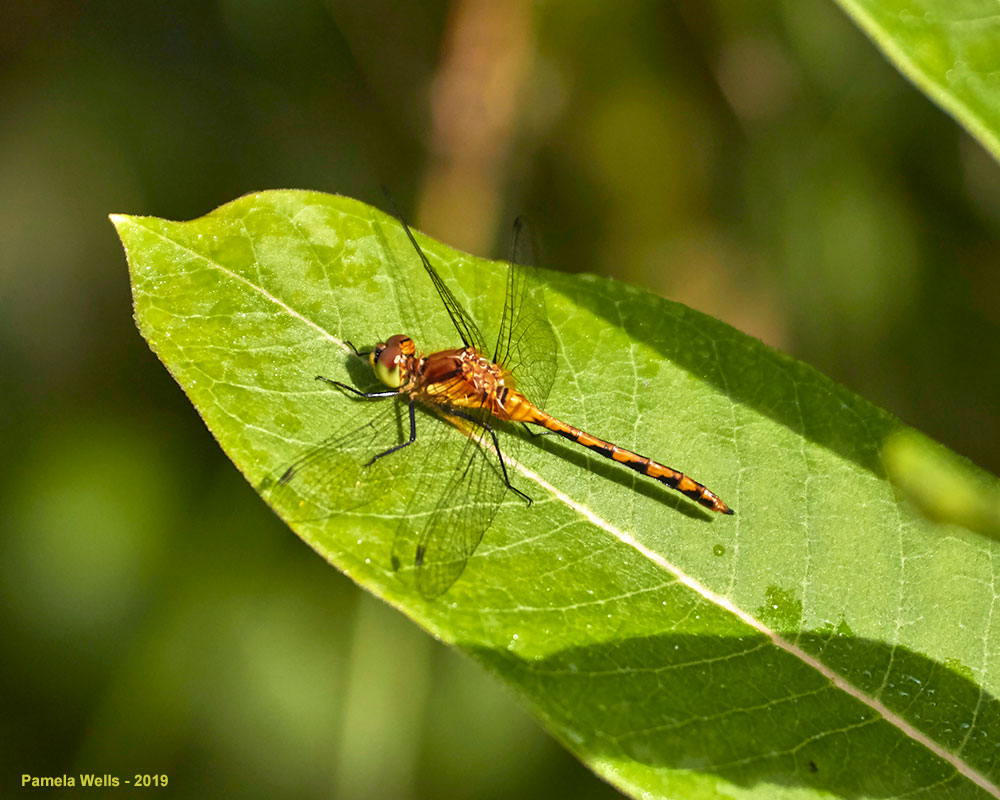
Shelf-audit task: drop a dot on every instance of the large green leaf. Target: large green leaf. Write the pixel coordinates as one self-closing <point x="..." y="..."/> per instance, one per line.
<point x="827" y="638"/>
<point x="949" y="48"/>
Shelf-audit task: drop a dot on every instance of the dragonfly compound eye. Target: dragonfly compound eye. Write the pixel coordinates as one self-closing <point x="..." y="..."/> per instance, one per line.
<point x="386" y="360"/>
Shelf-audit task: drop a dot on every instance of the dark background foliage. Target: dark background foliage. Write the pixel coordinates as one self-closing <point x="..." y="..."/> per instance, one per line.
<point x="759" y="162"/>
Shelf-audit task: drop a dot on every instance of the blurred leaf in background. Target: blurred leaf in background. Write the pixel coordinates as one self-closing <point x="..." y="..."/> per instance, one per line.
<point x="763" y="163"/>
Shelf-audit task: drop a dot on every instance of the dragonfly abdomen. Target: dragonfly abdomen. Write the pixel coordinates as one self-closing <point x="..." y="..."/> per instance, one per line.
<point x="526" y="412"/>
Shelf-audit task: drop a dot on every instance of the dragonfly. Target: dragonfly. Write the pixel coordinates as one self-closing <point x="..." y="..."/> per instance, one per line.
<point x="475" y="389"/>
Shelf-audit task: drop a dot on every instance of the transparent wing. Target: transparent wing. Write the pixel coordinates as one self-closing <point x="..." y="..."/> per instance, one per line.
<point x="465" y="510"/>
<point x="526" y="343"/>
<point x="335" y="476"/>
<point x="467" y="329"/>
<point x="463" y="472"/>
<point x="444" y="489"/>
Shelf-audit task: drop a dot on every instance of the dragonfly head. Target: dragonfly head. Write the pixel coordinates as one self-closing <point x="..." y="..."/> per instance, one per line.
<point x="390" y="358"/>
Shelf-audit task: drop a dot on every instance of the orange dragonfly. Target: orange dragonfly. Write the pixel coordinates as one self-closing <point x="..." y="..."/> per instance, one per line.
<point x="473" y="391"/>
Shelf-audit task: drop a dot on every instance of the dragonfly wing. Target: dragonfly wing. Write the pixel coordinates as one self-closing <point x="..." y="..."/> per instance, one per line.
<point x="464" y="512"/>
<point x="467" y="328"/>
<point x="444" y="527"/>
<point x="526" y="343"/>
<point x="335" y="476"/>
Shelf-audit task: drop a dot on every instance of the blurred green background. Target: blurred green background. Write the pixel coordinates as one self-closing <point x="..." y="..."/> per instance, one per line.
<point x="760" y="162"/>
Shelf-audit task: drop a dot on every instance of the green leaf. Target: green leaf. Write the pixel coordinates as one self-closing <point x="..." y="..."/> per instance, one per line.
<point x="949" y="48"/>
<point x="826" y="639"/>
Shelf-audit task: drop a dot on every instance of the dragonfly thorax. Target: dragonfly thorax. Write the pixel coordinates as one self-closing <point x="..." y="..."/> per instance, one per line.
<point x="461" y="379"/>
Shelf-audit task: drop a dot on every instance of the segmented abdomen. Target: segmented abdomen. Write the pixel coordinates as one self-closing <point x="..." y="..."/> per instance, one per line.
<point x="521" y="410"/>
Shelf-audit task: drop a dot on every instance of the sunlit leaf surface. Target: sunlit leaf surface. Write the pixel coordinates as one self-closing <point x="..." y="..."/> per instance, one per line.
<point x="827" y="640"/>
<point x="949" y="48"/>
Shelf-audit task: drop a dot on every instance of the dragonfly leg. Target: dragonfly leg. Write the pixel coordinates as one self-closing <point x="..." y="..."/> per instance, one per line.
<point x="358" y="392"/>
<point x="496" y="446"/>
<point x="357" y="352"/>
<point x="533" y="433"/>
<point x="411" y="440"/>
